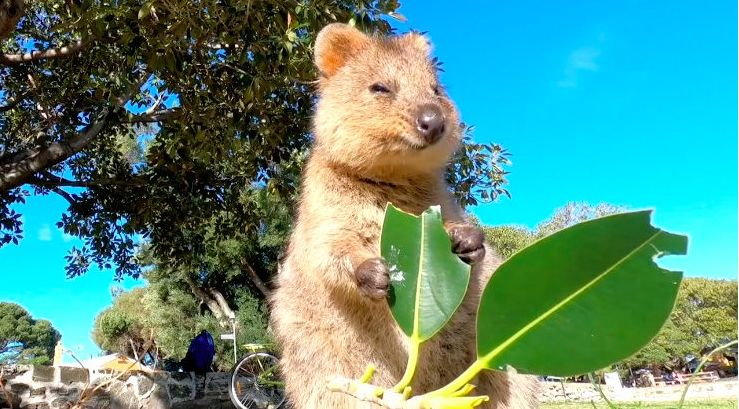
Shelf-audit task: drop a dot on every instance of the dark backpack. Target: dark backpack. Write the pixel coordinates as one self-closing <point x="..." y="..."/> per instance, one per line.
<point x="200" y="354"/>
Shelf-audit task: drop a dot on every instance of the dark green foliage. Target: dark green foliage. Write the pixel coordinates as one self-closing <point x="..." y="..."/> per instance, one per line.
<point x="123" y="327"/>
<point x="477" y="171"/>
<point x="24" y="339"/>
<point x="241" y="72"/>
<point x="705" y="317"/>
<point x="252" y="317"/>
<point x="166" y="318"/>
<point x="235" y="81"/>
<point x="507" y="240"/>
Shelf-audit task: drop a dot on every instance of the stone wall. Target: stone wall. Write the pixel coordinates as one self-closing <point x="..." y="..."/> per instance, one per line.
<point x="43" y="387"/>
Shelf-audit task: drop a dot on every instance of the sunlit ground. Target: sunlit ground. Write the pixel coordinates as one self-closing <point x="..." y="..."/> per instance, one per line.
<point x="710" y="404"/>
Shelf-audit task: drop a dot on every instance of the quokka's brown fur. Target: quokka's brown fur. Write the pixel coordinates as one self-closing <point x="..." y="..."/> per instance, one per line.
<point x="10" y="12"/>
<point x="328" y="311"/>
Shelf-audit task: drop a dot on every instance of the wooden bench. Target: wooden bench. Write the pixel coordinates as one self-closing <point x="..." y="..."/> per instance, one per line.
<point x="698" y="377"/>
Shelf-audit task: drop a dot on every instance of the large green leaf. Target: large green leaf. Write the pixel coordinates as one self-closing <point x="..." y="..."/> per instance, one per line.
<point x="427" y="280"/>
<point x="579" y="299"/>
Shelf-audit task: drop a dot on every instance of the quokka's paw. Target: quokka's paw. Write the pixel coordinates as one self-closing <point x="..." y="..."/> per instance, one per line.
<point x="468" y="243"/>
<point x="373" y="278"/>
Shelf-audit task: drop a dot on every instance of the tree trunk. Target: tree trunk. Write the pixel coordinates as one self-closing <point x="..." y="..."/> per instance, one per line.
<point x="215" y="302"/>
<point x="222" y="303"/>
<point x="254" y="277"/>
<point x="134" y="349"/>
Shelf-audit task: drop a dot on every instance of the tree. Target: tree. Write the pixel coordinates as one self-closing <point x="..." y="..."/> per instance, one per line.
<point x="707" y="309"/>
<point x="24" y="339"/>
<point x="507" y="240"/>
<point x="165" y="316"/>
<point x="573" y="213"/>
<point x="182" y="125"/>
<point x="705" y="316"/>
<point x="122" y="327"/>
<point x="667" y="349"/>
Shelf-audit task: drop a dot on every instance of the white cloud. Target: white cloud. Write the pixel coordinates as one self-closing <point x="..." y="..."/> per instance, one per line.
<point x="44" y="233"/>
<point x="582" y="59"/>
<point x="66" y="237"/>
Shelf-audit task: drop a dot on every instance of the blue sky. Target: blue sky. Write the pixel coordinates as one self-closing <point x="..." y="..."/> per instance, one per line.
<point x="630" y="103"/>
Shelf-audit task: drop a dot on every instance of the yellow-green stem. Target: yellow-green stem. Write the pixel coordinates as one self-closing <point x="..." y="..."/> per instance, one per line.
<point x="462" y="380"/>
<point x="700" y="366"/>
<point x="410" y="370"/>
<point x="368" y="373"/>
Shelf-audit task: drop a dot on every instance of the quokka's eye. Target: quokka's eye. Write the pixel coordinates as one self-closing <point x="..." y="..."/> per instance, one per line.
<point x="437" y="92"/>
<point x="379" y="88"/>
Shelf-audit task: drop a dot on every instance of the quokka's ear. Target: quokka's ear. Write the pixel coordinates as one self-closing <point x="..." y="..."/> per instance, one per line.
<point x="418" y="41"/>
<point x="335" y="45"/>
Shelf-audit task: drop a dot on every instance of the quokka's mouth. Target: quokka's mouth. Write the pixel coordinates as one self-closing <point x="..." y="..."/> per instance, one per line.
<point x="415" y="144"/>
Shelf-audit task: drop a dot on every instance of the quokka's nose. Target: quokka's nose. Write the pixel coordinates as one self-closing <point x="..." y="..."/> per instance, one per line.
<point x="430" y="122"/>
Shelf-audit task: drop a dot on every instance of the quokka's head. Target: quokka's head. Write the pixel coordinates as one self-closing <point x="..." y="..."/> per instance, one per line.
<point x="381" y="107"/>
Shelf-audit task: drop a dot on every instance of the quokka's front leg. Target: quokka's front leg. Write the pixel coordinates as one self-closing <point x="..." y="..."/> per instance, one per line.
<point x="468" y="242"/>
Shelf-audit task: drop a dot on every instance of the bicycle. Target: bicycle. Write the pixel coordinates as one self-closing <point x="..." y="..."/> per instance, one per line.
<point x="255" y="381"/>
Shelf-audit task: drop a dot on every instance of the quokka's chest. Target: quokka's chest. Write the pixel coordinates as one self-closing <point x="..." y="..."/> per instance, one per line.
<point x="410" y="199"/>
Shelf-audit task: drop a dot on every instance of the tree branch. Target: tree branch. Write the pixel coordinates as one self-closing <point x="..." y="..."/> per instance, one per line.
<point x="157" y="116"/>
<point x="10" y="157"/>
<point x="209" y="301"/>
<point x="255" y="279"/>
<point x="15" y="174"/>
<point x="52" y="53"/>
<point x="134" y="349"/>
<point x="13" y="102"/>
<point x="221" y="300"/>
<point x="152" y="108"/>
<point x="24" y="165"/>
<point x="65" y="195"/>
<point x="52" y="181"/>
<point x="44" y="112"/>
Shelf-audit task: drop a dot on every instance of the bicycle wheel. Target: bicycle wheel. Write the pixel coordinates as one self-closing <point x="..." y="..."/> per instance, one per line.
<point x="255" y="383"/>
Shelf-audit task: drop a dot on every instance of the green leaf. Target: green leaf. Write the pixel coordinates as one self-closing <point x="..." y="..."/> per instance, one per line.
<point x="580" y="299"/>
<point x="427" y="280"/>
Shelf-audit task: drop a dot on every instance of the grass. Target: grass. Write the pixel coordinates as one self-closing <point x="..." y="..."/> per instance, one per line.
<point x="709" y="404"/>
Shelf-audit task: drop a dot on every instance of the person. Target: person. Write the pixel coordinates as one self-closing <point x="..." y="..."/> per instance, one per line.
<point x="199" y="356"/>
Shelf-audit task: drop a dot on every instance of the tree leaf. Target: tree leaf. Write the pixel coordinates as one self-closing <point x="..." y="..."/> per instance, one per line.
<point x="580" y="299"/>
<point x="427" y="280"/>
